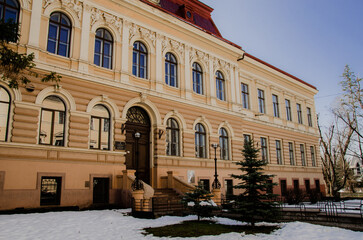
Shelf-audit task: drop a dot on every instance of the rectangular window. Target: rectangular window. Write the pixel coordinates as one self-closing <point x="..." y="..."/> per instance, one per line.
<point x="264" y="153"/>
<point x="205" y="184"/>
<point x="288" y="110"/>
<point x="246" y="137"/>
<point x="302" y="152"/>
<point x="296" y="185"/>
<point x="245" y="96"/>
<point x="261" y="100"/>
<point x="310" y="121"/>
<point x="317" y="185"/>
<point x="283" y="187"/>
<point x="307" y="185"/>
<point x="275" y="102"/>
<point x="312" y="152"/>
<point x="229" y="188"/>
<point x="278" y="152"/>
<point x="291" y="153"/>
<point x="50" y="190"/>
<point x="269" y="188"/>
<point x="299" y="113"/>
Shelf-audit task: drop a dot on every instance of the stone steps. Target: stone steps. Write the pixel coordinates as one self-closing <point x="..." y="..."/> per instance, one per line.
<point x="167" y="202"/>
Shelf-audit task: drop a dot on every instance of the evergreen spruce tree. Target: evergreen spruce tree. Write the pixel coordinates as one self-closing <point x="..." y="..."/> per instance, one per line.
<point x="199" y="201"/>
<point x="256" y="202"/>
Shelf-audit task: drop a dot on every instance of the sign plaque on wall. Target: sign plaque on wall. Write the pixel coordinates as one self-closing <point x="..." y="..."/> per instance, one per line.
<point x="120" y="145"/>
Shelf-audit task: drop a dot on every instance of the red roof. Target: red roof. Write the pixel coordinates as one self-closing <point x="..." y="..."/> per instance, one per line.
<point x="192" y="11"/>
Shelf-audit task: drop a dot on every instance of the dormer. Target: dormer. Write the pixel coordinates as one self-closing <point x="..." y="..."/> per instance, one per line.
<point x="187" y="12"/>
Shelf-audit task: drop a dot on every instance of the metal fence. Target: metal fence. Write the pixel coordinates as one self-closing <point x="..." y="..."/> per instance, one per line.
<point x="332" y="210"/>
<point x="167" y="205"/>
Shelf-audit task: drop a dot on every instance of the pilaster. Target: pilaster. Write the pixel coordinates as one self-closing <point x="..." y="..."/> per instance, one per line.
<point x="159" y="65"/>
<point x="188" y="77"/>
<point x="85" y="33"/>
<point x="125" y="52"/>
<point x="35" y="19"/>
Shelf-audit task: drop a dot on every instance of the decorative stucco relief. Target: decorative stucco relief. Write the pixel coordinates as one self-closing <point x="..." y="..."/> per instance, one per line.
<point x="221" y="64"/>
<point x="98" y="15"/>
<point x="27" y="3"/>
<point x="201" y="56"/>
<point x="141" y="32"/>
<point x="178" y="47"/>
<point x="172" y="44"/>
<point x="75" y="5"/>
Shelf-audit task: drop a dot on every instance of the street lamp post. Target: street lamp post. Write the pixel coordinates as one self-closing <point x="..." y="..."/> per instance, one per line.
<point x="216" y="184"/>
<point x="137" y="184"/>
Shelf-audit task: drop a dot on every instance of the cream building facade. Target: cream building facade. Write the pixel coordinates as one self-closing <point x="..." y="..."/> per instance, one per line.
<point x="159" y="68"/>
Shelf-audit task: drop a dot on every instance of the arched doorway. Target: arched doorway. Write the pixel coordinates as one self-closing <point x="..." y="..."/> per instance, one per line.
<point x="138" y="121"/>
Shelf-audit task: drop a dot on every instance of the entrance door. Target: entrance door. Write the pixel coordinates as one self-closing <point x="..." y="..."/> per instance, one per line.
<point x="100" y="190"/>
<point x="229" y="188"/>
<point x="138" y="121"/>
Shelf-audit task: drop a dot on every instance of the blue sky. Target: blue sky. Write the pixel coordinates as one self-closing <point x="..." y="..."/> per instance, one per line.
<point x="310" y="39"/>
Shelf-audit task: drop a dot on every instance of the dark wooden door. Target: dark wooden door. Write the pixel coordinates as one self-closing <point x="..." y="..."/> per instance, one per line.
<point x="101" y="190"/>
<point x="138" y="121"/>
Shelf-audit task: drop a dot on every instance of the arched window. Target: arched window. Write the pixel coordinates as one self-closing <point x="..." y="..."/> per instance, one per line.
<point x="59" y="35"/>
<point x="172" y="137"/>
<point x="200" y="141"/>
<point x="224" y="144"/>
<point x="103" y="48"/>
<point x="139" y="60"/>
<point x="197" y="78"/>
<point x="9" y="11"/>
<point x="4" y="114"/>
<point x="52" y="123"/>
<point x="100" y="128"/>
<point x="220" y="86"/>
<point x="138" y="115"/>
<point x="171" y="70"/>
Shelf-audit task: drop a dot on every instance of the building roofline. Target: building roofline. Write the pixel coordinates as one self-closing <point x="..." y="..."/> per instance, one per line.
<point x="192" y="24"/>
<point x="225" y="40"/>
<point x="279" y="70"/>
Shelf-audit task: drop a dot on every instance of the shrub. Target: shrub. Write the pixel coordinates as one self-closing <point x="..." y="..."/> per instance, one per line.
<point x="294" y="196"/>
<point x="199" y="202"/>
<point x="314" y="196"/>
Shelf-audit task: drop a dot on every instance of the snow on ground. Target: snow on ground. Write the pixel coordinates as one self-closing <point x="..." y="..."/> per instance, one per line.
<point x="115" y="224"/>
